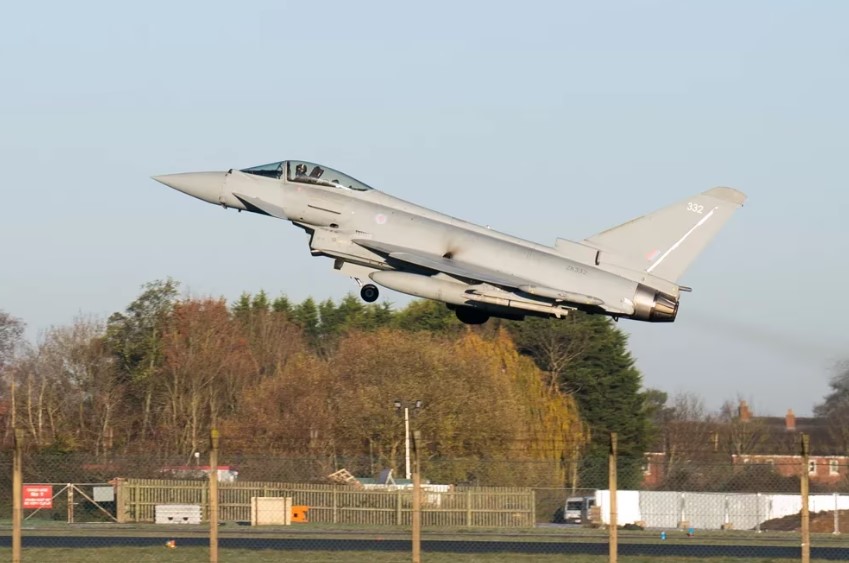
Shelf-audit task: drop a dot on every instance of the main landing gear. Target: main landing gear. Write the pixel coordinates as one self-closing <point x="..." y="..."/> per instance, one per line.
<point x="369" y="293"/>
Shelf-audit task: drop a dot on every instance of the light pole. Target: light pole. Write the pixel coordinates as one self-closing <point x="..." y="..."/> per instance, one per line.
<point x="398" y="406"/>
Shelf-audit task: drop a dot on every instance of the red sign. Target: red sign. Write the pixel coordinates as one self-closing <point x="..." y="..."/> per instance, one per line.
<point x="38" y="496"/>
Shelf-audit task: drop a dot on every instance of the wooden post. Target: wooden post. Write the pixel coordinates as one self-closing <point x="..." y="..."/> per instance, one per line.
<point x="417" y="500"/>
<point x="213" y="496"/>
<point x="70" y="503"/>
<point x="17" y="489"/>
<point x="120" y="500"/>
<point x="805" y="515"/>
<point x="614" y="525"/>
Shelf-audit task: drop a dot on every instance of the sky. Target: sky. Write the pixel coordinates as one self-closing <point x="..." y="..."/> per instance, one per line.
<point x="541" y="119"/>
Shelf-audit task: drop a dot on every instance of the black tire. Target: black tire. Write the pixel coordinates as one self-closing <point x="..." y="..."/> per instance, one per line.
<point x="369" y="293"/>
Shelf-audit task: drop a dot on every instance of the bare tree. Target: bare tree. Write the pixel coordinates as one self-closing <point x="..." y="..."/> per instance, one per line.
<point x="553" y="346"/>
<point x="95" y="392"/>
<point x="11" y="331"/>
<point x="688" y="436"/>
<point x="39" y="391"/>
<point x="742" y="434"/>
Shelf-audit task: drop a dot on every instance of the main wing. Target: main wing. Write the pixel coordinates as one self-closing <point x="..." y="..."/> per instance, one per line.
<point x="473" y="273"/>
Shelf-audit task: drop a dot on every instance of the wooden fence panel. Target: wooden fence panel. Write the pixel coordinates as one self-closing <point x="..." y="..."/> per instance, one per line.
<point x="338" y="504"/>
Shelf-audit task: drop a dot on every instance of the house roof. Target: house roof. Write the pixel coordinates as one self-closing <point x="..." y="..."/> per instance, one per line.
<point x="747" y="434"/>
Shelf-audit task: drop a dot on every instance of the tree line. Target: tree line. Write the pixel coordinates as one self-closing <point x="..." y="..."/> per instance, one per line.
<point x="318" y="380"/>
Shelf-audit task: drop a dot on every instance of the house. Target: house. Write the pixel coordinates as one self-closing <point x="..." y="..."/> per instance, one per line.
<point x="695" y="451"/>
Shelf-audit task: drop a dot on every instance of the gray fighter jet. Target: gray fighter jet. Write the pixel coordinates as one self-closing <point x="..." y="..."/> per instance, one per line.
<point x="628" y="271"/>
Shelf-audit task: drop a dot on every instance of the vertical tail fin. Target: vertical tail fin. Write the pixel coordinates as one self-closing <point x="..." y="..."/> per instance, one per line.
<point x="665" y="242"/>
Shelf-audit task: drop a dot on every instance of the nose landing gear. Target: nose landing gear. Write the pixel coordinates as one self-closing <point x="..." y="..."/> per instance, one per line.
<point x="369" y="293"/>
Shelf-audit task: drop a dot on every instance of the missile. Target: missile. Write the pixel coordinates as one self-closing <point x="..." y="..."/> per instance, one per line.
<point x="558" y="295"/>
<point x="457" y="293"/>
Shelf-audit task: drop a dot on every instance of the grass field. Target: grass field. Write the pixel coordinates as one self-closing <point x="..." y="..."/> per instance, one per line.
<point x="201" y="555"/>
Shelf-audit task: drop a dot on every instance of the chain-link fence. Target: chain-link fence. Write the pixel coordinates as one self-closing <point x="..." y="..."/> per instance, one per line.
<point x="220" y="507"/>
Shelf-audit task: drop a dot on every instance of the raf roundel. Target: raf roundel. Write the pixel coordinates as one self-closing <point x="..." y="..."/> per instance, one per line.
<point x="380" y="219"/>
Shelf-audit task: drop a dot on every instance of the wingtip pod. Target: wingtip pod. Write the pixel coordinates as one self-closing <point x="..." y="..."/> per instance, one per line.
<point x="727" y="194"/>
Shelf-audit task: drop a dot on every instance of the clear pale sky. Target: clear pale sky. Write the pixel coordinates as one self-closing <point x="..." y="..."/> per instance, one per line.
<point x="541" y="119"/>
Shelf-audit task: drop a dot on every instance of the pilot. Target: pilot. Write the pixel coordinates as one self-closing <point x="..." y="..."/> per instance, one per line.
<point x="300" y="169"/>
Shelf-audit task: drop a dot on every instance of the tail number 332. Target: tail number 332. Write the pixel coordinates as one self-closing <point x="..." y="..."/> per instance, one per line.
<point x="695" y="207"/>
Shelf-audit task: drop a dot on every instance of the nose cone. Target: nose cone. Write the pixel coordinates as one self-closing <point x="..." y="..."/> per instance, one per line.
<point x="202" y="185"/>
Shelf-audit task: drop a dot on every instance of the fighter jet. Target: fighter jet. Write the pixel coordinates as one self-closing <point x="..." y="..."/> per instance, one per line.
<point x="630" y="271"/>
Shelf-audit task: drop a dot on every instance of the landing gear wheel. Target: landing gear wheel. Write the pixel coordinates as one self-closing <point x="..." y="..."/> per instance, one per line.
<point x="369" y="293"/>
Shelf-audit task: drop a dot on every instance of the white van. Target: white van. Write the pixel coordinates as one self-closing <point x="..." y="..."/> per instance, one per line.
<point x="578" y="509"/>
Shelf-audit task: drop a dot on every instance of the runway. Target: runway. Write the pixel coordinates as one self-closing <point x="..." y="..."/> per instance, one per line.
<point x="694" y="550"/>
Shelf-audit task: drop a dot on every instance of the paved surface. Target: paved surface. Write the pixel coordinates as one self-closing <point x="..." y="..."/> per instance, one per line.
<point x="444" y="546"/>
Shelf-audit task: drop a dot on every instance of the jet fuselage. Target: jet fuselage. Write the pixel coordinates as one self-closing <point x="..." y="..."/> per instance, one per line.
<point x="478" y="271"/>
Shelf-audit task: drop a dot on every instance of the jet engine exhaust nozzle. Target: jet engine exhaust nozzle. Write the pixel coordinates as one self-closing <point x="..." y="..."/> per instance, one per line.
<point x="653" y="306"/>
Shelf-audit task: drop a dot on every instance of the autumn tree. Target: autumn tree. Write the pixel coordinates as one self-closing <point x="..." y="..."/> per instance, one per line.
<point x="206" y="363"/>
<point x="306" y="381"/>
<point x="483" y="404"/>
<point x="287" y="416"/>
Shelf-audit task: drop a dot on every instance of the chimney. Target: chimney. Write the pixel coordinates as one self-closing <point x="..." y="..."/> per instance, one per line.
<point x="790" y="421"/>
<point x="743" y="412"/>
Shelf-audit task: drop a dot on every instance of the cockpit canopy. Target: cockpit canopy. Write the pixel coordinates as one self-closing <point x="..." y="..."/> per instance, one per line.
<point x="308" y="173"/>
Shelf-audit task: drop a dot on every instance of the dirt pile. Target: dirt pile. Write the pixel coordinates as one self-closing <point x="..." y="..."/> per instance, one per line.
<point x="821" y="522"/>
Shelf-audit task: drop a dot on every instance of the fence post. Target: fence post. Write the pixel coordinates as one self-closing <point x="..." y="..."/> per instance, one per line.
<point x="836" y="512"/>
<point x="613" y="530"/>
<point x="417" y="500"/>
<point x="805" y="515"/>
<point x="469" y="508"/>
<point x="336" y="504"/>
<point x="120" y="500"/>
<point x="70" y="488"/>
<point x="17" y="486"/>
<point x="213" y="496"/>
